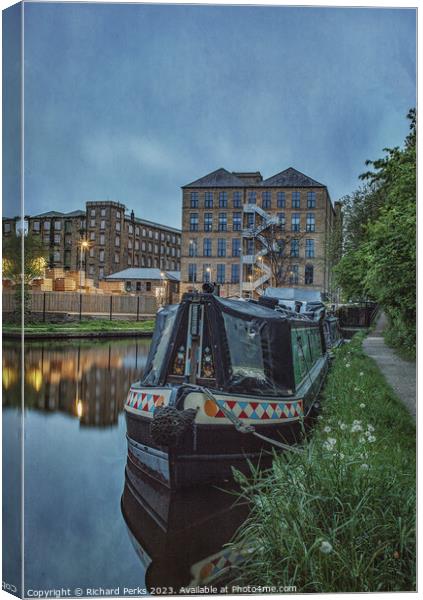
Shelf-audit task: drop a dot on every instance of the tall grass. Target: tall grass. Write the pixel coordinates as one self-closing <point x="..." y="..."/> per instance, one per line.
<point x="340" y="516"/>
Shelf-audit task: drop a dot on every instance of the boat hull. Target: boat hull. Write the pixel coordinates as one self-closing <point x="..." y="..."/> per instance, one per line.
<point x="211" y="450"/>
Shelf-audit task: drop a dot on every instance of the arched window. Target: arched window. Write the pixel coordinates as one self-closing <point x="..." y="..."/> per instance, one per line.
<point x="309" y="274"/>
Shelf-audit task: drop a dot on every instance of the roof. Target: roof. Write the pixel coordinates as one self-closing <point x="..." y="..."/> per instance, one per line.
<point x="219" y="178"/>
<point x="291" y="178"/>
<point x="156" y="225"/>
<point x="55" y="213"/>
<point x="144" y="273"/>
<point x="222" y="178"/>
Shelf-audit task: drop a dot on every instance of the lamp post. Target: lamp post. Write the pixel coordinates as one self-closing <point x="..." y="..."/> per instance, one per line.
<point x="83" y="246"/>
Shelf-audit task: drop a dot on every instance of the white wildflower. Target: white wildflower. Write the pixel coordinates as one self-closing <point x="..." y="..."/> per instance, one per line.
<point x="356" y="427"/>
<point x="371" y="438"/>
<point x="356" y="422"/>
<point x="329" y="444"/>
<point x="361" y="373"/>
<point x="348" y="365"/>
<point x="362" y="405"/>
<point x="370" y="427"/>
<point x="365" y="466"/>
<point x="327" y="429"/>
<point x="326" y="547"/>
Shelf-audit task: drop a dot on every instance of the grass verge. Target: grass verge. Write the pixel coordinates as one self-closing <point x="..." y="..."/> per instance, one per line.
<point x="94" y="325"/>
<point x="341" y="516"/>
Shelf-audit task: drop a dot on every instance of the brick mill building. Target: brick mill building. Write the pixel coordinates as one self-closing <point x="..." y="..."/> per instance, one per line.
<point x="232" y="222"/>
<point x="116" y="239"/>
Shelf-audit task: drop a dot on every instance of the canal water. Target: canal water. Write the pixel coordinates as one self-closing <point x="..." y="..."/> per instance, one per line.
<point x="86" y="525"/>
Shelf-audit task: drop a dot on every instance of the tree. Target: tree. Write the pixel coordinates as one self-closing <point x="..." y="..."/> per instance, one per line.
<point x="21" y="272"/>
<point x="280" y="253"/>
<point x="379" y="246"/>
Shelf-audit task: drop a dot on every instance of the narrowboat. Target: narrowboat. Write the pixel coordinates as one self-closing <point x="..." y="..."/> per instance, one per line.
<point x="226" y="382"/>
<point x="179" y="537"/>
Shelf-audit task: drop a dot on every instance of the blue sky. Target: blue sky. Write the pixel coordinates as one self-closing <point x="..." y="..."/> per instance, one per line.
<point x="129" y="102"/>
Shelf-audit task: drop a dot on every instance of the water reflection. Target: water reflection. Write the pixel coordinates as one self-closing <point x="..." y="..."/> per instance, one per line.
<point x="87" y="381"/>
<point x="75" y="457"/>
<point x="179" y="537"/>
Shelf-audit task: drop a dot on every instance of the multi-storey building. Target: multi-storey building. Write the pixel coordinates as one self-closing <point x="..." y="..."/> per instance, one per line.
<point x="113" y="239"/>
<point x="246" y="233"/>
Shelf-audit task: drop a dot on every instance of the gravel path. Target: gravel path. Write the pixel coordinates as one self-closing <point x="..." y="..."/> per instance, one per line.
<point x="399" y="373"/>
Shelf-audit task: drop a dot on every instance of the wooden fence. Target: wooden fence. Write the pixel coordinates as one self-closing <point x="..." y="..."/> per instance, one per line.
<point x="73" y="303"/>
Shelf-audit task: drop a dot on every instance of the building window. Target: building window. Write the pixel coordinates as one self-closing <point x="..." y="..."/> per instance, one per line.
<point x="67" y="258"/>
<point x="309" y="249"/>
<point x="103" y="212"/>
<point x="143" y="246"/>
<point x="221" y="273"/>
<point x="252" y="197"/>
<point x="223" y="222"/>
<point x="251" y="247"/>
<point x="295" y="222"/>
<point x="57" y="225"/>
<point x="101" y="272"/>
<point x="103" y="224"/>
<point x="281" y="221"/>
<point x="150" y="234"/>
<point x="223" y="199"/>
<point x="280" y="247"/>
<point x="35" y="226"/>
<point x="150" y="247"/>
<point x="57" y="238"/>
<point x="82" y="224"/>
<point x="266" y="199"/>
<point x="236" y="247"/>
<point x="295" y="199"/>
<point x="192" y="273"/>
<point x="295" y="248"/>
<point x="56" y="256"/>
<point x="207" y="247"/>
<point x="237" y="199"/>
<point x="156" y="248"/>
<point x="117" y="257"/>
<point x="236" y="221"/>
<point x="293" y="277"/>
<point x="118" y="226"/>
<point x="118" y="214"/>
<point x="206" y="273"/>
<point x="208" y="199"/>
<point x="92" y="212"/>
<point x="130" y="228"/>
<point x="192" y="248"/>
<point x="311" y="199"/>
<point x="235" y="273"/>
<point x="308" y="274"/>
<point x="208" y="221"/>
<point x="92" y="236"/>
<point x="129" y="244"/>
<point x="129" y="260"/>
<point x="137" y="231"/>
<point x="68" y="227"/>
<point x="156" y="235"/>
<point x="92" y="252"/>
<point x="310" y="222"/>
<point x="117" y="241"/>
<point x="221" y="247"/>
<point x="193" y="222"/>
<point x="101" y="256"/>
<point x="194" y="200"/>
<point x="281" y="199"/>
<point x="92" y="223"/>
<point x="102" y="239"/>
<point x="250" y="219"/>
<point x="144" y="232"/>
<point x="46" y="225"/>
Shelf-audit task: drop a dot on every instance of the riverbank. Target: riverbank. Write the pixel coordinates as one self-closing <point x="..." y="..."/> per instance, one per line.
<point x="94" y="328"/>
<point x="341" y="516"/>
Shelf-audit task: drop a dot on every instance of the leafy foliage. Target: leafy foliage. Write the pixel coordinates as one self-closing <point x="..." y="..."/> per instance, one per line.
<point x="379" y="260"/>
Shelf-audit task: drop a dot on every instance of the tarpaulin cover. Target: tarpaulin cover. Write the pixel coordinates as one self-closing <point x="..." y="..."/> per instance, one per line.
<point x="251" y="344"/>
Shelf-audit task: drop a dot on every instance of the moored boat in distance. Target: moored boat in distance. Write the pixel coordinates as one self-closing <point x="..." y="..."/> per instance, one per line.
<point x="226" y="382"/>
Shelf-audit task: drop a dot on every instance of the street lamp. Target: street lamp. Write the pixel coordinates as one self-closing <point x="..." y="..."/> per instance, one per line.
<point x="83" y="246"/>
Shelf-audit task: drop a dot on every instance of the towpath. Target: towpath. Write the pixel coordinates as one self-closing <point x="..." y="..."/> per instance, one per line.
<point x="399" y="373"/>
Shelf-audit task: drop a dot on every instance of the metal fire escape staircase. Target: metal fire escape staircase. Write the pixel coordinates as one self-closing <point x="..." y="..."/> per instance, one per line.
<point x="257" y="260"/>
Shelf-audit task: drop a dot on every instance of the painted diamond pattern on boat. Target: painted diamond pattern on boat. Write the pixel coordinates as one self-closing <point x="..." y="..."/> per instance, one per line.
<point x="144" y="402"/>
<point x="261" y="410"/>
